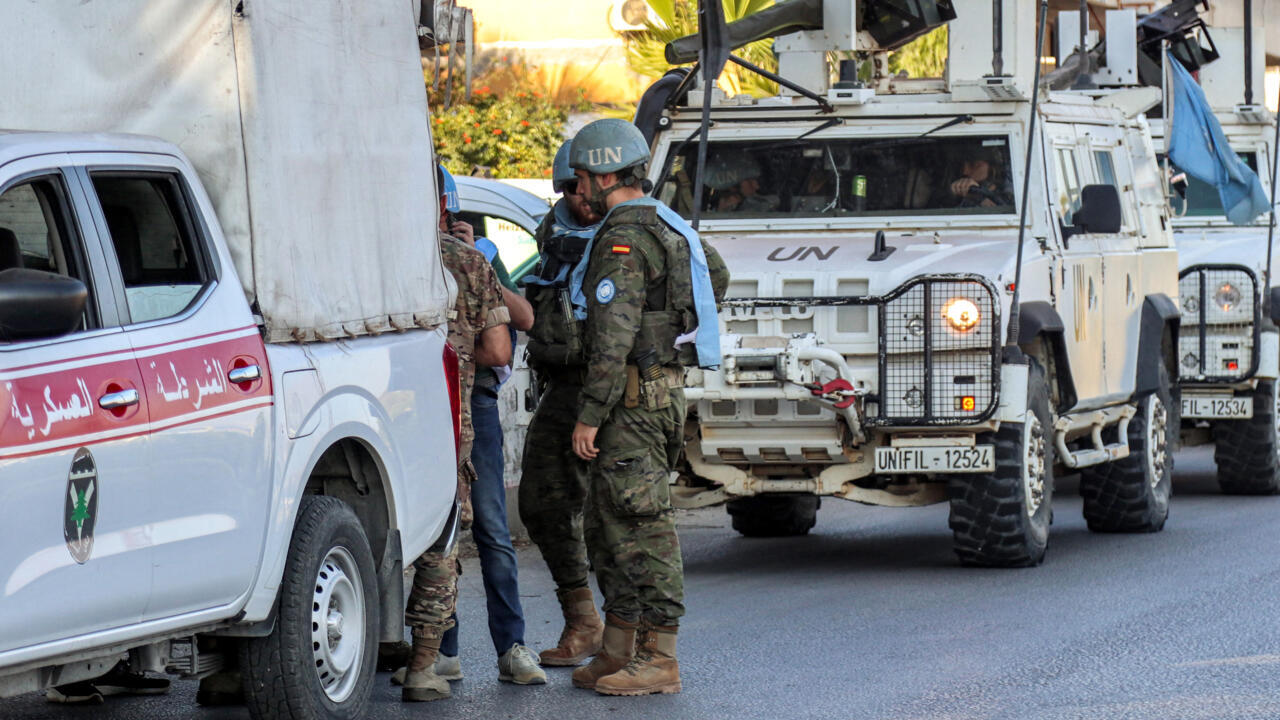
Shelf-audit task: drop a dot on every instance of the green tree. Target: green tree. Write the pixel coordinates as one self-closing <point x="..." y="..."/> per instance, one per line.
<point x="924" y="57"/>
<point x="645" y="50"/>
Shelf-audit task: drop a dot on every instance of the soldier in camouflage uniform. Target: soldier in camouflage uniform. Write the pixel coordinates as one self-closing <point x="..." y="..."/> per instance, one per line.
<point x="649" y="304"/>
<point x="478" y="333"/>
<point x="553" y="481"/>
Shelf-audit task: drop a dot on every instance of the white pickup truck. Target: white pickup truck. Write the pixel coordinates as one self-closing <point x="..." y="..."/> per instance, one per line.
<point x="181" y="478"/>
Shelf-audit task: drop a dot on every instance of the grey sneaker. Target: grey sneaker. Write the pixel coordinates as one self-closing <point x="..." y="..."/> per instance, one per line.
<point x="449" y="667"/>
<point x="520" y="666"/>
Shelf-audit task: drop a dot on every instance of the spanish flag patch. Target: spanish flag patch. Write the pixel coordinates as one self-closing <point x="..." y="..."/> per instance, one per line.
<point x="622" y="249"/>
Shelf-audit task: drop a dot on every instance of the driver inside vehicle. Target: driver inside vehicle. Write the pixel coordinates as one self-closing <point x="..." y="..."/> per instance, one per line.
<point x="734" y="180"/>
<point x="980" y="183"/>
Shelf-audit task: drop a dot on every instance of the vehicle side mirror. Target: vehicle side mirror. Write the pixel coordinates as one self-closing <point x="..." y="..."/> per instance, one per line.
<point x="1099" y="210"/>
<point x="38" y="304"/>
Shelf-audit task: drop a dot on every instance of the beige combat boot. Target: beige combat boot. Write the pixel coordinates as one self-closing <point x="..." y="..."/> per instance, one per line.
<point x="653" y="669"/>
<point x="617" y="647"/>
<point x="421" y="683"/>
<point x="583" y="632"/>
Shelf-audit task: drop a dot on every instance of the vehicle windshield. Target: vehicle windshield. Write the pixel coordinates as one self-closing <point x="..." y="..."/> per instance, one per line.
<point x="1202" y="199"/>
<point x="845" y="177"/>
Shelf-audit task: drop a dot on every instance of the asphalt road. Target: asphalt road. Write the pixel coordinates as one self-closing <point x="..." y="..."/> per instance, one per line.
<point x="870" y="617"/>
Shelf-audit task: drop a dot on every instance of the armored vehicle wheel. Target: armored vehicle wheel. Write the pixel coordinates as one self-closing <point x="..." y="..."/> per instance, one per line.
<point x="1247" y="451"/>
<point x="774" y="515"/>
<point x="318" y="661"/>
<point x="1001" y="519"/>
<point x="1132" y="494"/>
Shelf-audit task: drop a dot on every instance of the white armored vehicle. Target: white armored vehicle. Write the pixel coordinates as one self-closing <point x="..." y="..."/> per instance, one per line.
<point x="872" y="232"/>
<point x="1228" y="349"/>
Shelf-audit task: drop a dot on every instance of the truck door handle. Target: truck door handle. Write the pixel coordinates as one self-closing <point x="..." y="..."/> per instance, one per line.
<point x="117" y="400"/>
<point x="245" y="374"/>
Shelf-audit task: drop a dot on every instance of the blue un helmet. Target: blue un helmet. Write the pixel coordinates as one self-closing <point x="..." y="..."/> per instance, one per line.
<point x="562" y="177"/>
<point x="726" y="170"/>
<point x="448" y="191"/>
<point x="610" y="145"/>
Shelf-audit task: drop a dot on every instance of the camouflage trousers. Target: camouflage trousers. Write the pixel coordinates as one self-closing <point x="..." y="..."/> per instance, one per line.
<point x="630" y="524"/>
<point x="429" y="612"/>
<point x="434" y="595"/>
<point x="553" y="486"/>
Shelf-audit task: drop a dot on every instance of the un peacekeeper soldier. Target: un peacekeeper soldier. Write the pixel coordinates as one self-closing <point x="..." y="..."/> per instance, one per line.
<point x="478" y="332"/>
<point x="648" y="302"/>
<point x="553" y="481"/>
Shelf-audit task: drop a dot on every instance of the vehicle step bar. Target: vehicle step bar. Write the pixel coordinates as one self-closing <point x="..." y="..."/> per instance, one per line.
<point x="1094" y="421"/>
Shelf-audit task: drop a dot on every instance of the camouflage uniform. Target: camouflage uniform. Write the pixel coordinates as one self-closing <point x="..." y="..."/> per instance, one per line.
<point x="478" y="307"/>
<point x="630" y="524"/>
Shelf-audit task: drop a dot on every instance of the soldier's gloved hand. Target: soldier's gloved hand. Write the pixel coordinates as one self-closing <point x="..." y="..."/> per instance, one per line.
<point x="584" y="441"/>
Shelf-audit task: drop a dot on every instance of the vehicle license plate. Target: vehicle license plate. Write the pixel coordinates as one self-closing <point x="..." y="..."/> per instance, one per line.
<point x="978" y="458"/>
<point x="1216" y="407"/>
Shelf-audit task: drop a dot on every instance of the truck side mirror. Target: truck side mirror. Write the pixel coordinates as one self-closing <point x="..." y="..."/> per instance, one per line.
<point x="38" y="304"/>
<point x="1099" y="211"/>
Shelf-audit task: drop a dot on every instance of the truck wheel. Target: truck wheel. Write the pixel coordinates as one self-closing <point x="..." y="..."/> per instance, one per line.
<point x="1247" y="451"/>
<point x="1001" y="519"/>
<point x="774" y="515"/>
<point x="1132" y="494"/>
<point x="318" y="661"/>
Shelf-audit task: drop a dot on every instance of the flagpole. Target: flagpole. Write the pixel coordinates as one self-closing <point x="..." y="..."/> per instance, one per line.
<point x="1166" y="116"/>
<point x="1271" y="227"/>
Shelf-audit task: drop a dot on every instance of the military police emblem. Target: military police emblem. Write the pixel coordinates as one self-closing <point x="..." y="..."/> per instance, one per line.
<point x="81" y="506"/>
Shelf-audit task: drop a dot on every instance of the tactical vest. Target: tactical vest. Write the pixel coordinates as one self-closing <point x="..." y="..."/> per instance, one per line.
<point x="668" y="308"/>
<point x="555" y="340"/>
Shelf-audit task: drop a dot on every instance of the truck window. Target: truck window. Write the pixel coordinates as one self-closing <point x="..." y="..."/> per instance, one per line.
<point x="1068" y="184"/>
<point x="37" y="233"/>
<point x="1202" y="199"/>
<point x="845" y="177"/>
<point x="154" y="242"/>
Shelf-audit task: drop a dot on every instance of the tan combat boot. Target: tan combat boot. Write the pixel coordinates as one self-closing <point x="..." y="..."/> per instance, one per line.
<point x="653" y="669"/>
<point x="583" y="632"/>
<point x="420" y="680"/>
<point x="617" y="648"/>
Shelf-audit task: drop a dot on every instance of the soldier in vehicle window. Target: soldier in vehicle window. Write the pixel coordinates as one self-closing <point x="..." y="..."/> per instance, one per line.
<point x="735" y="184"/>
<point x="980" y="183"/>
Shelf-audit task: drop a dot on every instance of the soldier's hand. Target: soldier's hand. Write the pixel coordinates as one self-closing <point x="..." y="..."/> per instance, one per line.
<point x="960" y="187"/>
<point x="584" y="441"/>
<point x="463" y="231"/>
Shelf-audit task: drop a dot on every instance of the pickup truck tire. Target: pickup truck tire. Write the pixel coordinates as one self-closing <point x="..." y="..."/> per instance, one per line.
<point x="318" y="662"/>
<point x="1132" y="494"/>
<point x="1001" y="518"/>
<point x="774" y="515"/>
<point x="1247" y="451"/>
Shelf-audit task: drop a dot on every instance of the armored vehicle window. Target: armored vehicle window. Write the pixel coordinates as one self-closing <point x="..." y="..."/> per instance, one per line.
<point x="154" y="242"/>
<point x="37" y="232"/>
<point x="1068" y="185"/>
<point x="863" y="177"/>
<point x="1202" y="199"/>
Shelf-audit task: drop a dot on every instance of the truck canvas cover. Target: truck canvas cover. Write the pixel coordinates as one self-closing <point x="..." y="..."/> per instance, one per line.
<point x="307" y="122"/>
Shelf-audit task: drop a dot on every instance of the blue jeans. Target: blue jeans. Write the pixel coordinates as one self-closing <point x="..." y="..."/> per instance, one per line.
<point x="493" y="538"/>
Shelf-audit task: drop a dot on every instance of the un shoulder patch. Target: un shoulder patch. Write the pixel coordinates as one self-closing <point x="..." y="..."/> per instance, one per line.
<point x="605" y="291"/>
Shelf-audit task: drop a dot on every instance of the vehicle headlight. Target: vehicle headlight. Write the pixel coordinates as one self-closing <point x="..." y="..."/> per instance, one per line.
<point x="1227" y="296"/>
<point x="961" y="314"/>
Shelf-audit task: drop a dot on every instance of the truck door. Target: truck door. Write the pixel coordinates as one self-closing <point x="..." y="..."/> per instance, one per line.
<point x="74" y="513"/>
<point x="204" y="371"/>
<point x="1122" y="265"/>
<point x="1080" y="299"/>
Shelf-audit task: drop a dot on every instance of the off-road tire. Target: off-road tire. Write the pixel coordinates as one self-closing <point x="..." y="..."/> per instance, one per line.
<point x="1132" y="494"/>
<point x="1247" y="451"/>
<point x="282" y="678"/>
<point x="993" y="523"/>
<point x="774" y="515"/>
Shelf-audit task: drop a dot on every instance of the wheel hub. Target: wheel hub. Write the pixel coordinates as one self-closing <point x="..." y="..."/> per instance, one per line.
<point x="1157" y="440"/>
<point x="1033" y="465"/>
<point x="338" y="648"/>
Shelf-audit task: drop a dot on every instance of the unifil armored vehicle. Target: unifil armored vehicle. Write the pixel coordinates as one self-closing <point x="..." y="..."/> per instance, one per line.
<point x="1228" y="349"/>
<point x="943" y="290"/>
